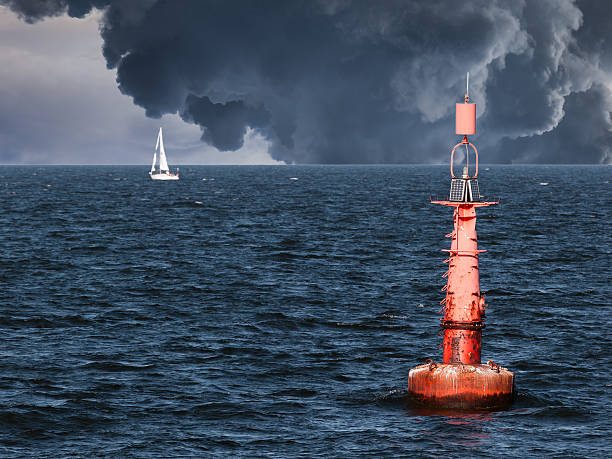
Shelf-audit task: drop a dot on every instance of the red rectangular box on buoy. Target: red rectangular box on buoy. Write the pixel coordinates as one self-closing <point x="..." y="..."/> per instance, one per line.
<point x="465" y="120"/>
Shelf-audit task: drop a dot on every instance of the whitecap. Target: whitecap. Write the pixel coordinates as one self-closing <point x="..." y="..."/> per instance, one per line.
<point x="543" y="183"/>
<point x="293" y="178"/>
<point x="393" y="316"/>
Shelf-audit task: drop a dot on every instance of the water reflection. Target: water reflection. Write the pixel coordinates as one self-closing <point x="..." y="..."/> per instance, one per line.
<point x="449" y="428"/>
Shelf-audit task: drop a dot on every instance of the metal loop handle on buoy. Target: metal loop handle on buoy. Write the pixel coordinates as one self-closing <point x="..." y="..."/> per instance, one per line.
<point x="464" y="142"/>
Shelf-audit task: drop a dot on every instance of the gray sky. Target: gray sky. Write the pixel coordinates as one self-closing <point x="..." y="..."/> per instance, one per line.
<point x="334" y="81"/>
<point x="60" y="104"/>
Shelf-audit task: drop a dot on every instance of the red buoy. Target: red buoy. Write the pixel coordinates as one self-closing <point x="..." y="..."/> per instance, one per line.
<point x="461" y="381"/>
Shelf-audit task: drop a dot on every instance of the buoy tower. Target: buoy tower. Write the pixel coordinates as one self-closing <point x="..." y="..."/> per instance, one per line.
<point x="461" y="381"/>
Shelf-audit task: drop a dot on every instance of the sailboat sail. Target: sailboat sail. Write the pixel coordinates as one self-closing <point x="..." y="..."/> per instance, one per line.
<point x="164" y="171"/>
<point x="163" y="162"/>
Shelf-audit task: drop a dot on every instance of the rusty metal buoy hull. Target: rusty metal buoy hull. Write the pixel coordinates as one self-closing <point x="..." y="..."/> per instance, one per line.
<point x="460" y="386"/>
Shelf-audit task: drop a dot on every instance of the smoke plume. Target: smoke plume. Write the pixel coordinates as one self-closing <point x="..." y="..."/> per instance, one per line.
<point x="356" y="81"/>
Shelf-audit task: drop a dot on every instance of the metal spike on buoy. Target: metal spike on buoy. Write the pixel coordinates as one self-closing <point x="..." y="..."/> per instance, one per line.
<point x="461" y="381"/>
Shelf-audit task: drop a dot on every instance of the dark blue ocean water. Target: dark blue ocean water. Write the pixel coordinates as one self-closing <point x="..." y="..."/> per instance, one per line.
<point x="249" y="314"/>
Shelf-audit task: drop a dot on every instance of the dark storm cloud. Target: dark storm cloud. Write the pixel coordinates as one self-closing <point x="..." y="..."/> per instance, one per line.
<point x="360" y="81"/>
<point x="224" y="124"/>
<point x="35" y="10"/>
<point x="583" y="136"/>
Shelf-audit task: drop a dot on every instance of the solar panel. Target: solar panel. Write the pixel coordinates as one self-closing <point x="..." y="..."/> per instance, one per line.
<point x="456" y="190"/>
<point x="475" y="190"/>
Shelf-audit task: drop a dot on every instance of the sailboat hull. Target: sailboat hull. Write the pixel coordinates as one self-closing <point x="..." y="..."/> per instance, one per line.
<point x="164" y="177"/>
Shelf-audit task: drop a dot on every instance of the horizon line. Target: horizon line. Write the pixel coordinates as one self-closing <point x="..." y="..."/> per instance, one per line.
<point x="302" y="164"/>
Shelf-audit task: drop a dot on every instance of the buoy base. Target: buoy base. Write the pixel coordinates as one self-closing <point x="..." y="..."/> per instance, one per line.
<point x="464" y="387"/>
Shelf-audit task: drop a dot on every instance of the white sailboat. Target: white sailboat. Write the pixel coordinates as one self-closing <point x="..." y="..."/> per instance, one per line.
<point x="163" y="173"/>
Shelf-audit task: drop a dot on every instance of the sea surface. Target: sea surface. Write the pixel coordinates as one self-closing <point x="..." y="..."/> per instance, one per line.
<point x="275" y="311"/>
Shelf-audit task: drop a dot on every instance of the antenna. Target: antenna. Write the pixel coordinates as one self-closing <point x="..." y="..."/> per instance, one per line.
<point x="467" y="86"/>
